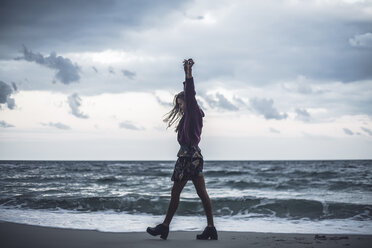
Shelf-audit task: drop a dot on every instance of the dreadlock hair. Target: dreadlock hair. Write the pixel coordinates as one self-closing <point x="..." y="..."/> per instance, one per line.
<point x="176" y="113"/>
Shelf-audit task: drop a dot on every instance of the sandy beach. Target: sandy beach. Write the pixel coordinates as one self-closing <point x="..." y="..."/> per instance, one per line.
<point x="20" y="235"/>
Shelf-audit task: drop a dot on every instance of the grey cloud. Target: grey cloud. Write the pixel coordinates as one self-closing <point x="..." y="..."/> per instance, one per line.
<point x="67" y="72"/>
<point x="14" y="86"/>
<point x="111" y="70"/>
<point x="128" y="74"/>
<point x="94" y="69"/>
<point x="239" y="100"/>
<point x="130" y="125"/>
<point x="11" y="103"/>
<point x="164" y="103"/>
<point x="75" y="102"/>
<point x="273" y="130"/>
<point x="222" y="102"/>
<point x="200" y="103"/>
<point x="70" y="26"/>
<point x="194" y="17"/>
<point x="304" y="89"/>
<point x="5" y="92"/>
<point x="302" y="114"/>
<point x="331" y="95"/>
<point x="304" y="45"/>
<point x="58" y="125"/>
<point x="5" y="124"/>
<point x="266" y="108"/>
<point x="367" y="130"/>
<point x="303" y="86"/>
<point x="362" y="40"/>
<point x="348" y="131"/>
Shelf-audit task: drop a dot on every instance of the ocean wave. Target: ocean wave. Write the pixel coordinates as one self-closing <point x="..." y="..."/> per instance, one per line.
<point x="224" y="206"/>
<point x="290" y="190"/>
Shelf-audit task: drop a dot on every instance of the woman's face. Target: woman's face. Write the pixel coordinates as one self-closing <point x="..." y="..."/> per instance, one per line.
<point x="181" y="103"/>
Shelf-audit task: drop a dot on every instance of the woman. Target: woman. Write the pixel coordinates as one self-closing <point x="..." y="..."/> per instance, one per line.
<point x="189" y="165"/>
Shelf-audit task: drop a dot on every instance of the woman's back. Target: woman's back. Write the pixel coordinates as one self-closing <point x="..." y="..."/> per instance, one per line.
<point x="191" y="124"/>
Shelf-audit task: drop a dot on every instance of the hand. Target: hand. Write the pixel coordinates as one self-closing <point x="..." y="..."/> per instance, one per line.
<point x="187" y="65"/>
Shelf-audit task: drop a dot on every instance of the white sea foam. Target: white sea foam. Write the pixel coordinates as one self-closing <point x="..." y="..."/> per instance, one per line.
<point x="110" y="221"/>
<point x="354" y="197"/>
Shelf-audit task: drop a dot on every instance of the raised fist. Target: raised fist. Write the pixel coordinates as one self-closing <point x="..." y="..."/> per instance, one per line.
<point x="187" y="64"/>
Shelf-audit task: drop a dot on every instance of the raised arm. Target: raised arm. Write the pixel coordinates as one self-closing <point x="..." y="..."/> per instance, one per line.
<point x="189" y="88"/>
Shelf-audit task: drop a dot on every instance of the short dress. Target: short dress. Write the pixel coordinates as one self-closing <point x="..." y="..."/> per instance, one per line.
<point x="189" y="164"/>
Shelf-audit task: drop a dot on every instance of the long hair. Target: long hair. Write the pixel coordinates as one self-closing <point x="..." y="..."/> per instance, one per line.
<point x="175" y="114"/>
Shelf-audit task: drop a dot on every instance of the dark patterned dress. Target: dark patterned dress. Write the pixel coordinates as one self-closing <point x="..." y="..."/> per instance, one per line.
<point x="189" y="164"/>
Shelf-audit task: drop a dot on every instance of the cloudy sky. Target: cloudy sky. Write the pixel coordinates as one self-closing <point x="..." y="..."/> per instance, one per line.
<point x="280" y="79"/>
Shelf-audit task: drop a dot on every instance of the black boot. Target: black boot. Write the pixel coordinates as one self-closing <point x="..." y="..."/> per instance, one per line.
<point x="209" y="232"/>
<point x="159" y="229"/>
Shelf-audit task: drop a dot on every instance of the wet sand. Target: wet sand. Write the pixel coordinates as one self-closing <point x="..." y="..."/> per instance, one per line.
<point x="21" y="235"/>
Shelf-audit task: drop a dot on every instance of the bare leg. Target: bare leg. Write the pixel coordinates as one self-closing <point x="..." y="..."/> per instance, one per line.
<point x="175" y="199"/>
<point x="199" y="184"/>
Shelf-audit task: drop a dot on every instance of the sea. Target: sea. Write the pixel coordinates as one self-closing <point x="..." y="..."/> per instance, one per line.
<point x="128" y="196"/>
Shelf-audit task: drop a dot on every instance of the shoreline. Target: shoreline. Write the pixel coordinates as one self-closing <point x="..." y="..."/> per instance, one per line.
<point x="24" y="235"/>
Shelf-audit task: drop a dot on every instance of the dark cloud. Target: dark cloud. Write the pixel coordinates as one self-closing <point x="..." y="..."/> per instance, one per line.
<point x="304" y="45"/>
<point x="5" y="92"/>
<point x="220" y="101"/>
<point x="348" y="131"/>
<point x="329" y="48"/>
<point x="58" y="125"/>
<point x="130" y="125"/>
<point x="367" y="130"/>
<point x="302" y="114"/>
<point x="266" y="108"/>
<point x="70" y="25"/>
<point x="5" y="124"/>
<point x="67" y="72"/>
<point x="273" y="130"/>
<point x="316" y="48"/>
<point x="75" y="102"/>
<point x="128" y="74"/>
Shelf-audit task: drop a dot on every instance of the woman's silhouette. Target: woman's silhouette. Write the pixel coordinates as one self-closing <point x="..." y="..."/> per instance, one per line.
<point x="189" y="165"/>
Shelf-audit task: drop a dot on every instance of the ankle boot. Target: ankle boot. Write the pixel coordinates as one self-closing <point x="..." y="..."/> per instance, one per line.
<point x="209" y="232"/>
<point x="159" y="229"/>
